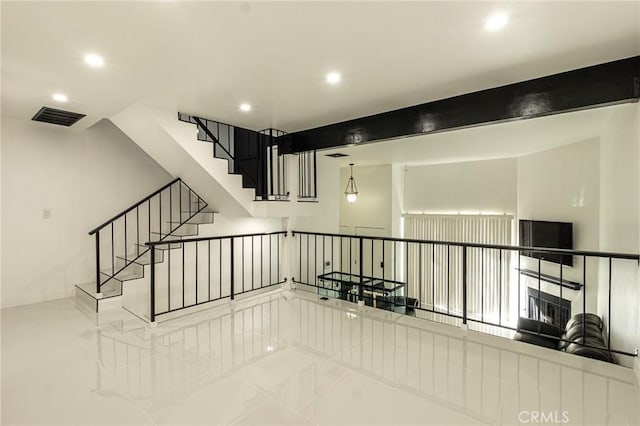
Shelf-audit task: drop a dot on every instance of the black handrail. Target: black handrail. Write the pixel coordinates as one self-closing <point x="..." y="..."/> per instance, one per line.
<point x="136" y="222"/>
<point x="193" y="240"/>
<point x="630" y="256"/>
<point x="213" y="138"/>
<point x="147" y="198"/>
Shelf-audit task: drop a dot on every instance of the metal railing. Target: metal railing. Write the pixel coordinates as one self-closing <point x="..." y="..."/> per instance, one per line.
<point x="253" y="155"/>
<point x="447" y="279"/>
<point x="119" y="242"/>
<point x="277" y="181"/>
<point x="307" y="176"/>
<point x="196" y="271"/>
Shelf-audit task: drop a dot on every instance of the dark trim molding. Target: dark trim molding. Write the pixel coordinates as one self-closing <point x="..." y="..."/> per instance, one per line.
<point x="591" y="87"/>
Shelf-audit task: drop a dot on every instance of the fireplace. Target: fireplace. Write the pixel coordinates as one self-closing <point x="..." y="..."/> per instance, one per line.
<point x="552" y="309"/>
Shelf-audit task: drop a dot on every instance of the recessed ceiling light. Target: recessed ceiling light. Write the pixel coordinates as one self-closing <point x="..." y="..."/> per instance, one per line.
<point x="333" y="77"/>
<point x="59" y="97"/>
<point x="94" y="60"/>
<point x="496" y="21"/>
<point x="245" y="107"/>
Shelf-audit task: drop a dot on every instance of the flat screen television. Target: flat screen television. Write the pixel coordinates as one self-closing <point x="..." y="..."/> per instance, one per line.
<point x="537" y="233"/>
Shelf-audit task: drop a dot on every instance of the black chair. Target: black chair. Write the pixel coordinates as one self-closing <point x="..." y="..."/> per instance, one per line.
<point x="586" y="329"/>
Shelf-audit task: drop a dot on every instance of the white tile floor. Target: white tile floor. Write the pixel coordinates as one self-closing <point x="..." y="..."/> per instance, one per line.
<point x="289" y="358"/>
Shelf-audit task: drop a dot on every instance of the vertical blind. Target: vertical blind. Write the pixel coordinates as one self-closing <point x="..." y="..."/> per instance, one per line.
<point x="434" y="273"/>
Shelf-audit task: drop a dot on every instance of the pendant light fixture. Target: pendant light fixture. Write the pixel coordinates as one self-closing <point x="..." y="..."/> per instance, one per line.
<point x="352" y="190"/>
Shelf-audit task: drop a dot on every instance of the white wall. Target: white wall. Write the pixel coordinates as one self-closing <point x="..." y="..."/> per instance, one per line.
<point x="475" y="186"/>
<point x="83" y="178"/>
<point x="619" y="218"/>
<point x="371" y="214"/>
<point x="562" y="184"/>
<point x="322" y="215"/>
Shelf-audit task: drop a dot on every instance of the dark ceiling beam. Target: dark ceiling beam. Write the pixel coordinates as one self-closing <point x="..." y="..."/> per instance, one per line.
<point x="595" y="86"/>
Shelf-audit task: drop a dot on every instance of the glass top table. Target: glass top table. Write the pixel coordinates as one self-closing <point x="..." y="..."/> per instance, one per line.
<point x="345" y="286"/>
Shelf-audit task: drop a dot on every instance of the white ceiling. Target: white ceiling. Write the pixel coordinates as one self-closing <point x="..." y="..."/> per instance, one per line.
<point x="207" y="57"/>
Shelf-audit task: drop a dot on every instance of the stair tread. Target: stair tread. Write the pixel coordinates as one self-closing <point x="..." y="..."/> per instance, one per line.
<point x="125" y="275"/>
<point x="108" y="289"/>
<point x="174" y="235"/>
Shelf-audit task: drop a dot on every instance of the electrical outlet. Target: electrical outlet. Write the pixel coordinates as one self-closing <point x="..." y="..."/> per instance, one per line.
<point x="46" y="214"/>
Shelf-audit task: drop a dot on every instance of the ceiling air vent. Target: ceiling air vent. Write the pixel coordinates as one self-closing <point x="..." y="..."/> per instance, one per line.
<point x="57" y="116"/>
<point x="337" y="155"/>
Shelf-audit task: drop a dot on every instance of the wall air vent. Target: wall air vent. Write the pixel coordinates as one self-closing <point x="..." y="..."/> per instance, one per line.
<point x="337" y="155"/>
<point x="57" y="116"/>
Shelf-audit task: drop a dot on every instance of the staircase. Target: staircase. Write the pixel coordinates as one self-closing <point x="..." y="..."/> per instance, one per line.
<point x="250" y="154"/>
<point x="173" y="211"/>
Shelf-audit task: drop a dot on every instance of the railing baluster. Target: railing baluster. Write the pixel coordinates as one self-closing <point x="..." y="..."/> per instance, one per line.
<point x="196" y="272"/>
<point x="160" y="217"/>
<point x="113" y="255"/>
<point x="152" y="307"/>
<point x="539" y="295"/>
<point x="300" y="256"/>
<point x="609" y="321"/>
<point x="232" y="270"/>
<point x="126" y="258"/>
<point x="308" y="281"/>
<point x="361" y="289"/>
<point x="584" y="297"/>
<point x="183" y="294"/>
<point x="270" y="261"/>
<point x="563" y="323"/>
<point x="384" y="277"/>
<point x="519" y="297"/>
<point x="500" y="290"/>
<point x="420" y="279"/>
<point x="98" y="278"/>
<point x="482" y="284"/>
<point x="137" y="232"/>
<point x="433" y="276"/>
<point x="448" y="277"/>
<point x="464" y="285"/>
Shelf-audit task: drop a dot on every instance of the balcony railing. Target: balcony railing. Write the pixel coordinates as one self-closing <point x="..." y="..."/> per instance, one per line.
<point x="196" y="271"/>
<point x="447" y="281"/>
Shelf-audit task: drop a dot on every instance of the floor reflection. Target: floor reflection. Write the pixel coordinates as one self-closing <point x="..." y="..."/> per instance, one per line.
<point x="296" y="358"/>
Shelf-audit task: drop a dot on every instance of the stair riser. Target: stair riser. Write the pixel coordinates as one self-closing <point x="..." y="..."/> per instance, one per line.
<point x="183" y="230"/>
<point x="199" y="218"/>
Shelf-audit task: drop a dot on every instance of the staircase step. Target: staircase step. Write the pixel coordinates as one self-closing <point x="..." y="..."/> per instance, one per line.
<point x="109" y="289"/>
<point x="130" y="273"/>
<point x="145" y="256"/>
<point x="181" y="229"/>
<point x="202" y="217"/>
<point x="168" y="246"/>
<point x="172" y="236"/>
<point x="159" y="255"/>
